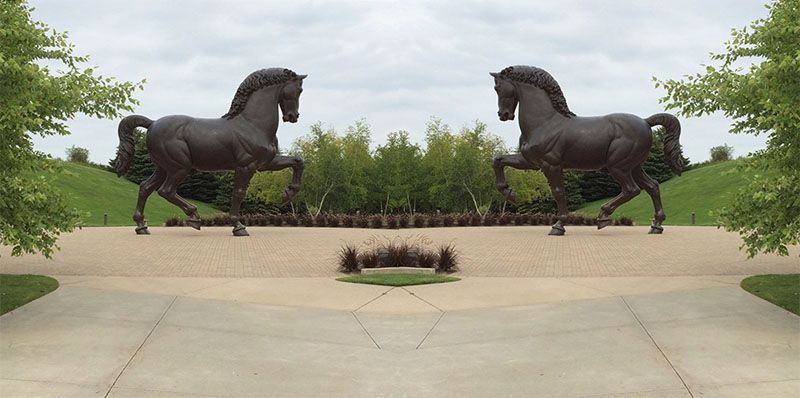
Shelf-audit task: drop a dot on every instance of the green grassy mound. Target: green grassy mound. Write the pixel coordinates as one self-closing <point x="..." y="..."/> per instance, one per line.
<point x="398" y="279"/>
<point x="701" y="190"/>
<point x="781" y="290"/>
<point x="18" y="290"/>
<point x="99" y="192"/>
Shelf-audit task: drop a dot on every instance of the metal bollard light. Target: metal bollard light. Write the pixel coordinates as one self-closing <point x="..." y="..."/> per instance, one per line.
<point x="693" y="218"/>
<point x="105" y="219"/>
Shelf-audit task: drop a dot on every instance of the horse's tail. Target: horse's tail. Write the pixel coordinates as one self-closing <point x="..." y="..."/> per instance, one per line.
<point x="127" y="141"/>
<point x="672" y="133"/>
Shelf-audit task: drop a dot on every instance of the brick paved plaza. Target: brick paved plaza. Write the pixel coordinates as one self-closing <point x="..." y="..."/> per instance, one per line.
<point x="486" y="251"/>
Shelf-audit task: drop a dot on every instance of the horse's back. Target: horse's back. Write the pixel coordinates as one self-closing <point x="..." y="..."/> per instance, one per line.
<point x="589" y="140"/>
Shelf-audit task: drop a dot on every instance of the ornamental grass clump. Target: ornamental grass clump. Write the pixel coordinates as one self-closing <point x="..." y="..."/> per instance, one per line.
<point x="410" y="251"/>
<point x="448" y="258"/>
<point x="419" y="221"/>
<point x="403" y="221"/>
<point x="376" y="221"/>
<point x="348" y="258"/>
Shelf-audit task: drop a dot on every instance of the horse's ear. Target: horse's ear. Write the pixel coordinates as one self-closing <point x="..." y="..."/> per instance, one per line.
<point x="301" y="77"/>
<point x="494" y="74"/>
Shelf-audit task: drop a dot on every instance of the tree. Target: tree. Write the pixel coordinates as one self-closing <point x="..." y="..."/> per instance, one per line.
<point x="436" y="167"/>
<point x="36" y="100"/>
<point x="397" y="171"/>
<point x="721" y="153"/>
<point x="761" y="99"/>
<point x="78" y="155"/>
<point x="474" y="150"/>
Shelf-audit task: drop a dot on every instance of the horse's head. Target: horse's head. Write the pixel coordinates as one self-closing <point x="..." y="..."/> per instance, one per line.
<point x="289" y="99"/>
<point x="506" y="97"/>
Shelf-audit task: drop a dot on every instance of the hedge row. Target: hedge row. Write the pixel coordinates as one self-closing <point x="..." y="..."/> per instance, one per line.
<point x="396" y="221"/>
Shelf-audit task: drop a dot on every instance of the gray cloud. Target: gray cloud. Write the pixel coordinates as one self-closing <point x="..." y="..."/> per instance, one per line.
<point x="398" y="63"/>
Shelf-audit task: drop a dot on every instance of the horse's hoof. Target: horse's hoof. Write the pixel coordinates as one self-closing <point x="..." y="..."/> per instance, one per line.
<point x="142" y="230"/>
<point x="656" y="229"/>
<point x="603" y="222"/>
<point x="240" y="232"/>
<point x="557" y="230"/>
<point x="194" y="224"/>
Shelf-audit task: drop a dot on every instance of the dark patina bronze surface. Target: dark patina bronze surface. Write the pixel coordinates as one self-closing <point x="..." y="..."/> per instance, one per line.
<point x="243" y="140"/>
<point x="554" y="139"/>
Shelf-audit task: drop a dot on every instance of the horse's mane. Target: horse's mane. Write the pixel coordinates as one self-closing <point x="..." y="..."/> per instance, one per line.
<point x="541" y="79"/>
<point x="254" y="82"/>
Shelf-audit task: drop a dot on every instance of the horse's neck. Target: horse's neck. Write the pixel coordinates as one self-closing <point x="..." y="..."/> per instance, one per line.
<point x="535" y="110"/>
<point x="261" y="110"/>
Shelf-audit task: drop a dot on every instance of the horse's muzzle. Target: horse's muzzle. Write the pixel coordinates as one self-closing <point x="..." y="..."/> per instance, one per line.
<point x="291" y="118"/>
<point x="504" y="116"/>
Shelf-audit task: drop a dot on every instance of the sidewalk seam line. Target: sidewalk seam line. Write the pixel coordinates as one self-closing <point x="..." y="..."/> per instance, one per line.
<point x="421" y="299"/>
<point x="657" y="346"/>
<point x="124" y="368"/>
<point x="365" y="330"/>
<point x="429" y="331"/>
<point x="373" y="299"/>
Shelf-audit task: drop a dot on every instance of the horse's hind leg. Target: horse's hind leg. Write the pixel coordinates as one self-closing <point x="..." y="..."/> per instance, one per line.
<point x="651" y="187"/>
<point x="169" y="192"/>
<point x="629" y="191"/>
<point x="145" y="189"/>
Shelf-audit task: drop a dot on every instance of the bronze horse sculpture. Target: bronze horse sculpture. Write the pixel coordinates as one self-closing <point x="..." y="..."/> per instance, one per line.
<point x="243" y="140"/>
<point x="554" y="139"/>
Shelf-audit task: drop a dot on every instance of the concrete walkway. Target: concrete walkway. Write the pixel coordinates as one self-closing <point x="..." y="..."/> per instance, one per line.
<point x="480" y="337"/>
<point x="485" y="251"/>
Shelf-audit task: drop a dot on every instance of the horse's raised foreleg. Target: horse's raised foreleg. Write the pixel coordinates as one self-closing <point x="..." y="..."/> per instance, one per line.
<point x="516" y="161"/>
<point x="281" y="162"/>
<point x="629" y="191"/>
<point x="241" y="179"/>
<point x="651" y="187"/>
<point x="145" y="189"/>
<point x="555" y="178"/>
<point x="169" y="191"/>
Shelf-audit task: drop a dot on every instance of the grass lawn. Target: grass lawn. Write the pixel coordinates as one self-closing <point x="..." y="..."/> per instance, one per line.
<point x="781" y="290"/>
<point x="701" y="190"/>
<point x="398" y="279"/>
<point x="99" y="192"/>
<point x="17" y="290"/>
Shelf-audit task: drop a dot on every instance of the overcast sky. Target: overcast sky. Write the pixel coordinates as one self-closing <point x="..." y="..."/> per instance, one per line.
<point x="398" y="63"/>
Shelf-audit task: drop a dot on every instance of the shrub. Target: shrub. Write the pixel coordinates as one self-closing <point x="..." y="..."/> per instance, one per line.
<point x="447" y="220"/>
<point x="519" y="219"/>
<point x="368" y="259"/>
<point x="376" y="221"/>
<point x="427" y="259"/>
<point x="434" y="220"/>
<point x="448" y="258"/>
<point x="333" y="220"/>
<point x="320" y="220"/>
<point x="475" y="220"/>
<point x="362" y="222"/>
<point x="504" y="219"/>
<point x="488" y="220"/>
<point x="348" y="258"/>
<point x="306" y="220"/>
<point x="419" y="220"/>
<point x="403" y="221"/>
<point x="625" y="221"/>
<point x="291" y="219"/>
<point x="391" y="222"/>
<point x="276" y="220"/>
<point x="172" y="221"/>
<point x="347" y="221"/>
<point x="464" y="219"/>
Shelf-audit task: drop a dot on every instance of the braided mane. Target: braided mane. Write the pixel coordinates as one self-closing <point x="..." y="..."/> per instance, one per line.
<point x="541" y="79"/>
<point x="254" y="82"/>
